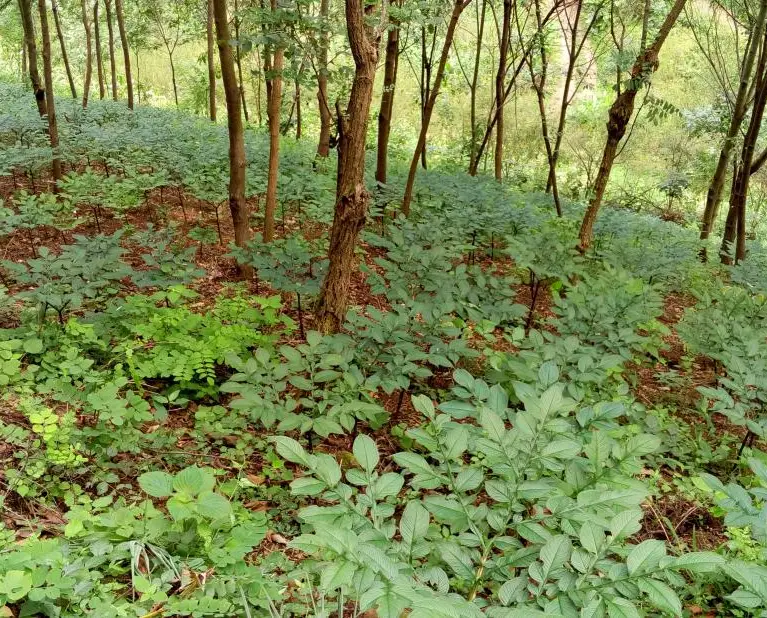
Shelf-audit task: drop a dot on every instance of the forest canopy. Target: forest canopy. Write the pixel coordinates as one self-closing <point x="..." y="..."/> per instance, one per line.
<point x="383" y="308"/>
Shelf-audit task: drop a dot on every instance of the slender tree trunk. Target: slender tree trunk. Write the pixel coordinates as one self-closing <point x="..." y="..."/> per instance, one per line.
<point x="237" y="163"/>
<point x="62" y="44"/>
<point x="474" y="82"/>
<point x="274" y="91"/>
<point x="458" y="8"/>
<point x="137" y="64"/>
<point x="323" y="146"/>
<point x="99" y="58"/>
<point x="53" y="131"/>
<point x="111" y="44"/>
<point x="126" y="52"/>
<point x="387" y="100"/>
<point x="211" y="64"/>
<point x="239" y="59"/>
<point x="298" y="109"/>
<point x="500" y="79"/>
<point x="351" y="195"/>
<point x="28" y="24"/>
<point x="172" y="76"/>
<point x="740" y="186"/>
<point x="88" y="54"/>
<point x="619" y="117"/>
<point x="715" y="189"/>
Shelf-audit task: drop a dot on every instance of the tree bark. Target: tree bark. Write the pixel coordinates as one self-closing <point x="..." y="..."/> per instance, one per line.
<point x="239" y="59"/>
<point x="298" y="109"/>
<point x="274" y="100"/>
<point x="351" y="195"/>
<point x="620" y="116"/>
<point x="172" y="76"/>
<point x="500" y="79"/>
<point x="126" y="52"/>
<point x="735" y="229"/>
<point x="237" y="164"/>
<point x="458" y="8"/>
<point x="111" y="43"/>
<point x="211" y="64"/>
<point x="387" y="100"/>
<point x="99" y="58"/>
<point x="62" y="44"/>
<point x="473" y="87"/>
<point x="53" y="131"/>
<point x="28" y="24"/>
<point x="740" y="108"/>
<point x="88" y="54"/>
<point x="323" y="145"/>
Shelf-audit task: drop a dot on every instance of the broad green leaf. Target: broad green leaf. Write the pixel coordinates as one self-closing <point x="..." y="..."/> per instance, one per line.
<point x="191" y="481"/>
<point x="365" y="452"/>
<point x="213" y="505"/>
<point x="290" y="450"/>
<point x="414" y="523"/>
<point x="645" y="556"/>
<point x="156" y="483"/>
<point x="661" y="595"/>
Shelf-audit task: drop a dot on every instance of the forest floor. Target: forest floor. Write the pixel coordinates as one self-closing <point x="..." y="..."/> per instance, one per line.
<point x="671" y="382"/>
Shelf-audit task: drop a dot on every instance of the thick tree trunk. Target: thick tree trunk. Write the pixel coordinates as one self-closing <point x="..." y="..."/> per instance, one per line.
<point x="387" y="100"/>
<point x="474" y="82"/>
<point x="126" y="52"/>
<point x="500" y="79"/>
<point x="62" y="44"/>
<point x="458" y="8"/>
<point x="111" y="44"/>
<point x="740" y="108"/>
<point x="619" y="117"/>
<point x="88" y="54"/>
<point x="274" y="101"/>
<point x="323" y="146"/>
<point x="53" y="131"/>
<point x="351" y="195"/>
<point x="99" y="58"/>
<point x="740" y="186"/>
<point x="239" y="59"/>
<point x="28" y="24"/>
<point x="237" y="164"/>
<point x="211" y="64"/>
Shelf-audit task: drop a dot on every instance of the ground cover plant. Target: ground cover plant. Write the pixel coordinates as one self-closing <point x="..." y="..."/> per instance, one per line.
<point x="247" y="372"/>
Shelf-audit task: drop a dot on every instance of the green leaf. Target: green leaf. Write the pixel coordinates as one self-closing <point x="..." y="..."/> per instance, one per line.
<point x="33" y="345"/>
<point x="447" y="510"/>
<point x="16" y="584"/>
<point x="157" y="484"/>
<point x="213" y="505"/>
<point x="622" y="608"/>
<point x="290" y="450"/>
<point x="699" y="562"/>
<point x="414" y="523"/>
<point x="645" y="556"/>
<point x="626" y="523"/>
<point x="366" y="452"/>
<point x="554" y="553"/>
<point x="463" y="378"/>
<point x="307" y="486"/>
<point x="661" y="595"/>
<point x="592" y="537"/>
<point x="190" y="481"/>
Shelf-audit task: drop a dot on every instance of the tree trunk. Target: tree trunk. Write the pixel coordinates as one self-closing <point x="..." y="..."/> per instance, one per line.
<point x="458" y="7"/>
<point x="473" y="87"/>
<point x="619" y="117"/>
<point x="126" y="52"/>
<point x="739" y="193"/>
<point x="62" y="44"/>
<point x="274" y="100"/>
<point x="239" y="59"/>
<point x="237" y="164"/>
<point x="111" y="43"/>
<point x="500" y="79"/>
<point x="99" y="58"/>
<point x="323" y="146"/>
<point x="298" y="109"/>
<point x="351" y="195"/>
<point x="211" y="64"/>
<point x="172" y="76"/>
<point x="28" y="24"/>
<point x="53" y="131"/>
<point x="88" y="54"/>
<point x="740" y="108"/>
<point x="387" y="100"/>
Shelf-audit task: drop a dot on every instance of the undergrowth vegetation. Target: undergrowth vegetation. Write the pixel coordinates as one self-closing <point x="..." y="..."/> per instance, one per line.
<point x="503" y="427"/>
